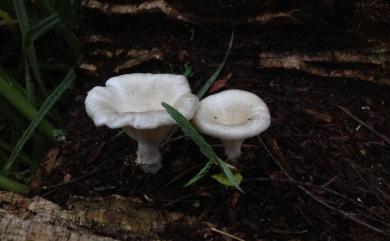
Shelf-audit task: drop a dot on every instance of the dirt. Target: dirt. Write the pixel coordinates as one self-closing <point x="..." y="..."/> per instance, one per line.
<point x="341" y="163"/>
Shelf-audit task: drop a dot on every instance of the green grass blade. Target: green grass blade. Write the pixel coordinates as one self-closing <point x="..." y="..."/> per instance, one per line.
<point x="28" y="49"/>
<point x="8" y="148"/>
<point x="188" y="71"/>
<point x="191" y="132"/>
<point x="203" y="172"/>
<point x="229" y="174"/>
<point x="46" y="106"/>
<point x="221" y="178"/>
<point x="11" y="185"/>
<point x="30" y="92"/>
<point x="204" y="147"/>
<point x="202" y="92"/>
<point x="34" y="66"/>
<point x="21" y="15"/>
<point x="9" y="79"/>
<point x="73" y="42"/>
<point x="42" y="27"/>
<point x="11" y="93"/>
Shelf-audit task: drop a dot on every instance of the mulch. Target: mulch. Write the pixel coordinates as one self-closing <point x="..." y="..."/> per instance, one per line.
<point x="320" y="172"/>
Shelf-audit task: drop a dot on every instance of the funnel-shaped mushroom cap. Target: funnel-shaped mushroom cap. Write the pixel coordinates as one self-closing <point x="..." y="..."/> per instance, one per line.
<point x="232" y="115"/>
<point x="135" y="100"/>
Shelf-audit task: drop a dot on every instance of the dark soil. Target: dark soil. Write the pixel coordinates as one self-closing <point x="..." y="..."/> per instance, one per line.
<point x="341" y="164"/>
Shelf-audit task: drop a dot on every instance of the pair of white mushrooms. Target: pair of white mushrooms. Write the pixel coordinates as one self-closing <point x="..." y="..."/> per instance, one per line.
<point x="133" y="102"/>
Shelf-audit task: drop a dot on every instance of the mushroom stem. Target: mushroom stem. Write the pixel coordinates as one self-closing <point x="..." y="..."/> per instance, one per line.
<point x="149" y="140"/>
<point x="149" y="157"/>
<point x="232" y="148"/>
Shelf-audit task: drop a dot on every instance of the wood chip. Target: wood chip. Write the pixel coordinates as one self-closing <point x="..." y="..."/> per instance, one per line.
<point x="324" y="117"/>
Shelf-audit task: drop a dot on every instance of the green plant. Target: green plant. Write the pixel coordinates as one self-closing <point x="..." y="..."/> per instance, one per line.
<point x="188" y="71"/>
<point x="227" y="177"/>
<point x="27" y="97"/>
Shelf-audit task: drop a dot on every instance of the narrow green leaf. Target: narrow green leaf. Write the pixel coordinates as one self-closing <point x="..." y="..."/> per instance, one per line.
<point x="42" y="27"/>
<point x="73" y="42"/>
<point x="229" y="175"/>
<point x="30" y="92"/>
<point x="190" y="131"/>
<point x="205" y="169"/>
<point x="4" y="74"/>
<point x="46" y="106"/>
<point x="11" y="93"/>
<point x="11" y="185"/>
<point x="204" y="147"/>
<point x="8" y="148"/>
<point x="201" y="93"/>
<point x="21" y="15"/>
<point x="28" y="49"/>
<point x="188" y="71"/>
<point x="221" y="178"/>
<point x="34" y="66"/>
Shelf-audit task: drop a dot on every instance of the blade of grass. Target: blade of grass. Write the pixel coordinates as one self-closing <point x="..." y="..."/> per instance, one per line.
<point x="8" y="148"/>
<point x="42" y="27"/>
<point x="188" y="73"/>
<point x="9" y="79"/>
<point x="28" y="49"/>
<point x="46" y="106"/>
<point x="228" y="173"/>
<point x="73" y="42"/>
<point x="191" y="132"/>
<point x="21" y="15"/>
<point x="201" y="93"/>
<point x="203" y="172"/>
<point x="204" y="147"/>
<point x="221" y="178"/>
<point x="11" y="185"/>
<point x="30" y="92"/>
<point x="12" y="94"/>
<point x="34" y="66"/>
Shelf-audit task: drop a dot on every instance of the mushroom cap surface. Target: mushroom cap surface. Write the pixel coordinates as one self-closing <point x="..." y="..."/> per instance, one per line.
<point x="232" y="115"/>
<point x="135" y="100"/>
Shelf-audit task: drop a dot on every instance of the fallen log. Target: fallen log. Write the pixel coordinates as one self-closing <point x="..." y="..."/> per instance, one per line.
<point x="21" y="217"/>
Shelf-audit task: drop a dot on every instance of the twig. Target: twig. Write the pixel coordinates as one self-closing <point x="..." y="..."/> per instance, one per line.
<point x="369" y="127"/>
<point x="226" y="234"/>
<point x="277" y="152"/>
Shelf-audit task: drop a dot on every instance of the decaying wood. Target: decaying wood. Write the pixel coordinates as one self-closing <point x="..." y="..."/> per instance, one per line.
<point x="13" y="228"/>
<point x="109" y="215"/>
<point x="164" y="7"/>
<point x="324" y="117"/>
<point x="345" y="45"/>
<point x="371" y="65"/>
<point x="125" y="59"/>
<point x="253" y="12"/>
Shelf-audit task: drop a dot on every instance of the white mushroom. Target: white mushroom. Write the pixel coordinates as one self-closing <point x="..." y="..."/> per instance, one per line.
<point x="232" y="116"/>
<point x="133" y="102"/>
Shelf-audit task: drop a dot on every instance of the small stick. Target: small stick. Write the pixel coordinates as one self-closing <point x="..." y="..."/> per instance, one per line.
<point x="226" y="234"/>
<point x="369" y="127"/>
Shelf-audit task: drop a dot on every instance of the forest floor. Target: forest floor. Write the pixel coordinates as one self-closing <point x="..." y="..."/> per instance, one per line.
<point x="320" y="172"/>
